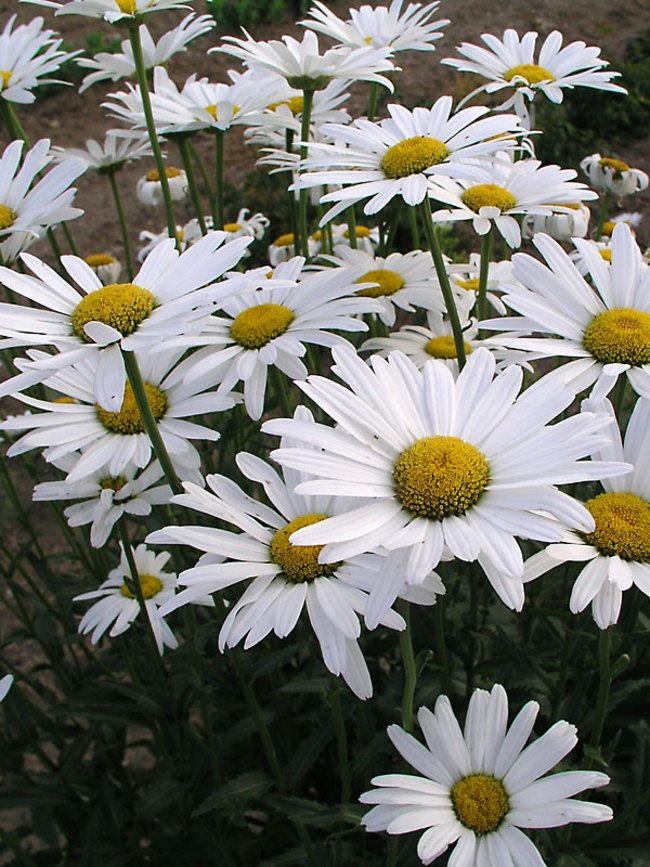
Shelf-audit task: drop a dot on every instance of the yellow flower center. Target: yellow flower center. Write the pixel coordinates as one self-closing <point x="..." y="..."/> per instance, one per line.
<point x="619" y="336"/>
<point x="531" y="72"/>
<point x="126" y="6"/>
<point x="299" y="562"/>
<point x="471" y="285"/>
<point x="440" y="476"/>
<point x="480" y="803"/>
<point x="488" y="196"/>
<point x="257" y="326"/>
<point x="170" y="171"/>
<point x="5" y="76"/>
<point x="387" y="283"/>
<point x="608" y="228"/>
<point x="285" y="240"/>
<point x="295" y="104"/>
<point x="361" y="232"/>
<point x="96" y="260"/>
<point x="128" y="420"/>
<point x="113" y="483"/>
<point x="123" y="306"/>
<point x="413" y="155"/>
<point x="444" y="347"/>
<point x="7" y="217"/>
<point x="606" y="254"/>
<point x="149" y="584"/>
<point x="231" y="227"/>
<point x="622" y="526"/>
<point x="618" y="166"/>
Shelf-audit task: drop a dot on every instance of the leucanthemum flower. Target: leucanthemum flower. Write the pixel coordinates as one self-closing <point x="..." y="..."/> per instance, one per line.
<point x="246" y="224"/>
<point x="399" y="156"/>
<point x="465" y="282"/>
<point x="106" y="266"/>
<point x="167" y="296"/>
<point x="464" y="465"/>
<point x="149" y="188"/>
<point x="186" y="235"/>
<point x="117" y="606"/>
<point x="511" y="64"/>
<point x="110" y="155"/>
<point x="113" y="11"/>
<point x="283" y="248"/>
<point x="285" y="579"/>
<point x="480" y="786"/>
<point x="612" y="175"/>
<point x="617" y="553"/>
<point x="383" y="26"/>
<point x="105" y="498"/>
<point x="27" y="53"/>
<point x="512" y="189"/>
<point x="632" y="218"/>
<point x="571" y="221"/>
<point x="604" y="326"/>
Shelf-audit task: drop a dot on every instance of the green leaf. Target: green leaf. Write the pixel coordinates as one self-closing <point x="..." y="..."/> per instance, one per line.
<point x="242" y="789"/>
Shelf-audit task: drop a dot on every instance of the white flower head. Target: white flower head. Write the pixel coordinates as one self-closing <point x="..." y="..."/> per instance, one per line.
<point x="113" y="11"/>
<point x="149" y="188"/>
<point x="106" y="266"/>
<point x="569" y="221"/>
<point x="613" y="175"/>
<point x="110" y="155"/>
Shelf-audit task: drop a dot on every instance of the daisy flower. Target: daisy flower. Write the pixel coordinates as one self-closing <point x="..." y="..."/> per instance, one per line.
<point x="272" y="326"/>
<point x="465" y="282"/>
<point x="113" y="440"/>
<point x="513" y="189"/>
<point x="478" y="787"/>
<point x="403" y="281"/>
<point x="113" y="11"/>
<point x="113" y="67"/>
<point x="463" y="464"/>
<point x="28" y="205"/>
<point x="285" y="579"/>
<point x="168" y="294"/>
<point x="380" y="27"/>
<point x="107" y="267"/>
<point x="244" y="226"/>
<point x="117" y="606"/>
<point x="283" y="248"/>
<point x="604" y="325"/>
<point x="149" y="189"/>
<point x="571" y="221"/>
<point x="399" y="155"/>
<point x="105" y="498"/>
<point x="511" y="64"/>
<point x="632" y="218"/>
<point x="27" y="53"/>
<point x="617" y="553"/>
<point x="612" y="175"/>
<point x="186" y="235"/>
<point x="110" y="155"/>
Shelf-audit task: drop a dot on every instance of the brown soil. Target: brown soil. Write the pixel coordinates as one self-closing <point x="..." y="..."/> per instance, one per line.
<point x="69" y="119"/>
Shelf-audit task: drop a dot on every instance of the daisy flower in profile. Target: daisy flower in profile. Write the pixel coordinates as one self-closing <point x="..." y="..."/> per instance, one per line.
<point x="464" y="465"/>
<point x="465" y="282"/>
<point x="186" y="235"/>
<point x="383" y="26"/>
<point x="271" y="126"/>
<point x="513" y="189"/>
<point x="398" y="156"/>
<point x="5" y="685"/>
<point x="106" y="266"/>
<point x="113" y="11"/>
<point x="617" y="553"/>
<point x="611" y="175"/>
<point x="27" y="53"/>
<point x="603" y="325"/>
<point x="400" y="280"/>
<point x="479" y="786"/>
<point x="28" y="204"/>
<point x="117" y="605"/>
<point x="246" y="225"/>
<point x="632" y="218"/>
<point x="107" y="156"/>
<point x="569" y="221"/>
<point x="149" y="189"/>
<point x="286" y="580"/>
<point x="512" y="64"/>
<point x="283" y="248"/>
<point x="169" y="293"/>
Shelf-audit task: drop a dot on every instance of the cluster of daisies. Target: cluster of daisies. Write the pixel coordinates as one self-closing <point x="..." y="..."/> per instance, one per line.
<point x="423" y="445"/>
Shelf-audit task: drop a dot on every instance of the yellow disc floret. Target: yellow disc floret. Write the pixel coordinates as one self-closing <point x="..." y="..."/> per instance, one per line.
<point x="257" y="326"/>
<point x="128" y="420"/>
<point x="488" y="196"/>
<point x="96" y="260"/>
<point x="619" y="336"/>
<point x="413" y="155"/>
<point x="471" y="285"/>
<point x="231" y="227"/>
<point x="149" y="584"/>
<point x="360" y="231"/>
<point x="7" y="217"/>
<point x="5" y="76"/>
<point x="170" y="171"/>
<point x="285" y="240"/>
<point x="606" y="254"/>
<point x="617" y="166"/>
<point x="386" y="283"/>
<point x="299" y="562"/>
<point x="480" y="803"/>
<point x="622" y="526"/>
<point x="123" y="306"/>
<point x="531" y="72"/>
<point x="444" y="347"/>
<point x="440" y="476"/>
<point x="113" y="483"/>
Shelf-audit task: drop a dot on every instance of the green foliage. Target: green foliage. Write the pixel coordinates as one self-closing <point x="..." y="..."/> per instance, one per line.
<point x="246" y="13"/>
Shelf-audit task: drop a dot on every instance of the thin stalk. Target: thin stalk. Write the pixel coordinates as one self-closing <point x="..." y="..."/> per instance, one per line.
<point x="443" y="279"/>
<point x="70" y="239"/>
<point x="605" y="682"/>
<point x="307" y="104"/>
<point x="54" y="244"/>
<point x="136" y="47"/>
<point x="619" y="398"/>
<point x="260" y="723"/>
<point x="440" y="644"/>
<point x="341" y="743"/>
<point x="293" y="210"/>
<point x="415" y="229"/>
<point x="352" y="227"/>
<point x="473" y="626"/>
<point x="202" y="169"/>
<point x="486" y="257"/>
<point x="188" y="165"/>
<point x="121" y="216"/>
<point x="281" y="393"/>
<point x="14" y="127"/>
<point x="373" y="94"/>
<point x="604" y="208"/>
<point x="410" y="671"/>
<point x="217" y="202"/>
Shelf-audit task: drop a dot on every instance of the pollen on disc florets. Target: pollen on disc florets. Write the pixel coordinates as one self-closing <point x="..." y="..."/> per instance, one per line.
<point x="257" y="326"/>
<point x="149" y="584"/>
<point x="440" y="476"/>
<point x="488" y="196"/>
<point x="471" y="285"/>
<point x="621" y="335"/>
<point x="170" y="171"/>
<point x="413" y="155"/>
<point x="285" y="240"/>
<point x="231" y="227"/>
<point x="531" y="72"/>
<point x="96" y="260"/>
<point x="112" y="483"/>
<point x="480" y="803"/>
<point x="7" y="217"/>
<point x="5" y="78"/>
<point x="386" y="283"/>
<point x="622" y="526"/>
<point x="299" y="562"/>
<point x="128" y="420"/>
<point x="123" y="306"/>
<point x="444" y="347"/>
<point x="617" y="166"/>
<point x="359" y="230"/>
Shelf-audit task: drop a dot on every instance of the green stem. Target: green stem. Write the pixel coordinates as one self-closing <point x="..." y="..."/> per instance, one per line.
<point x="443" y="279"/>
<point x="149" y="422"/>
<point x="486" y="258"/>
<point x="217" y="204"/>
<point x="70" y="239"/>
<point x="410" y="671"/>
<point x="604" y="208"/>
<point x="260" y="723"/>
<point x="202" y="170"/>
<point x="341" y="742"/>
<point x="12" y="123"/>
<point x="619" y="398"/>
<point x="441" y="645"/>
<point x="54" y="244"/>
<point x="473" y="626"/>
<point x="605" y="682"/>
<point x="281" y="393"/>
<point x="136" y="47"/>
<point x="188" y="165"/>
<point x="415" y="229"/>
<point x="124" y="231"/>
<point x="373" y="94"/>
<point x="352" y="227"/>
<point x="307" y="104"/>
